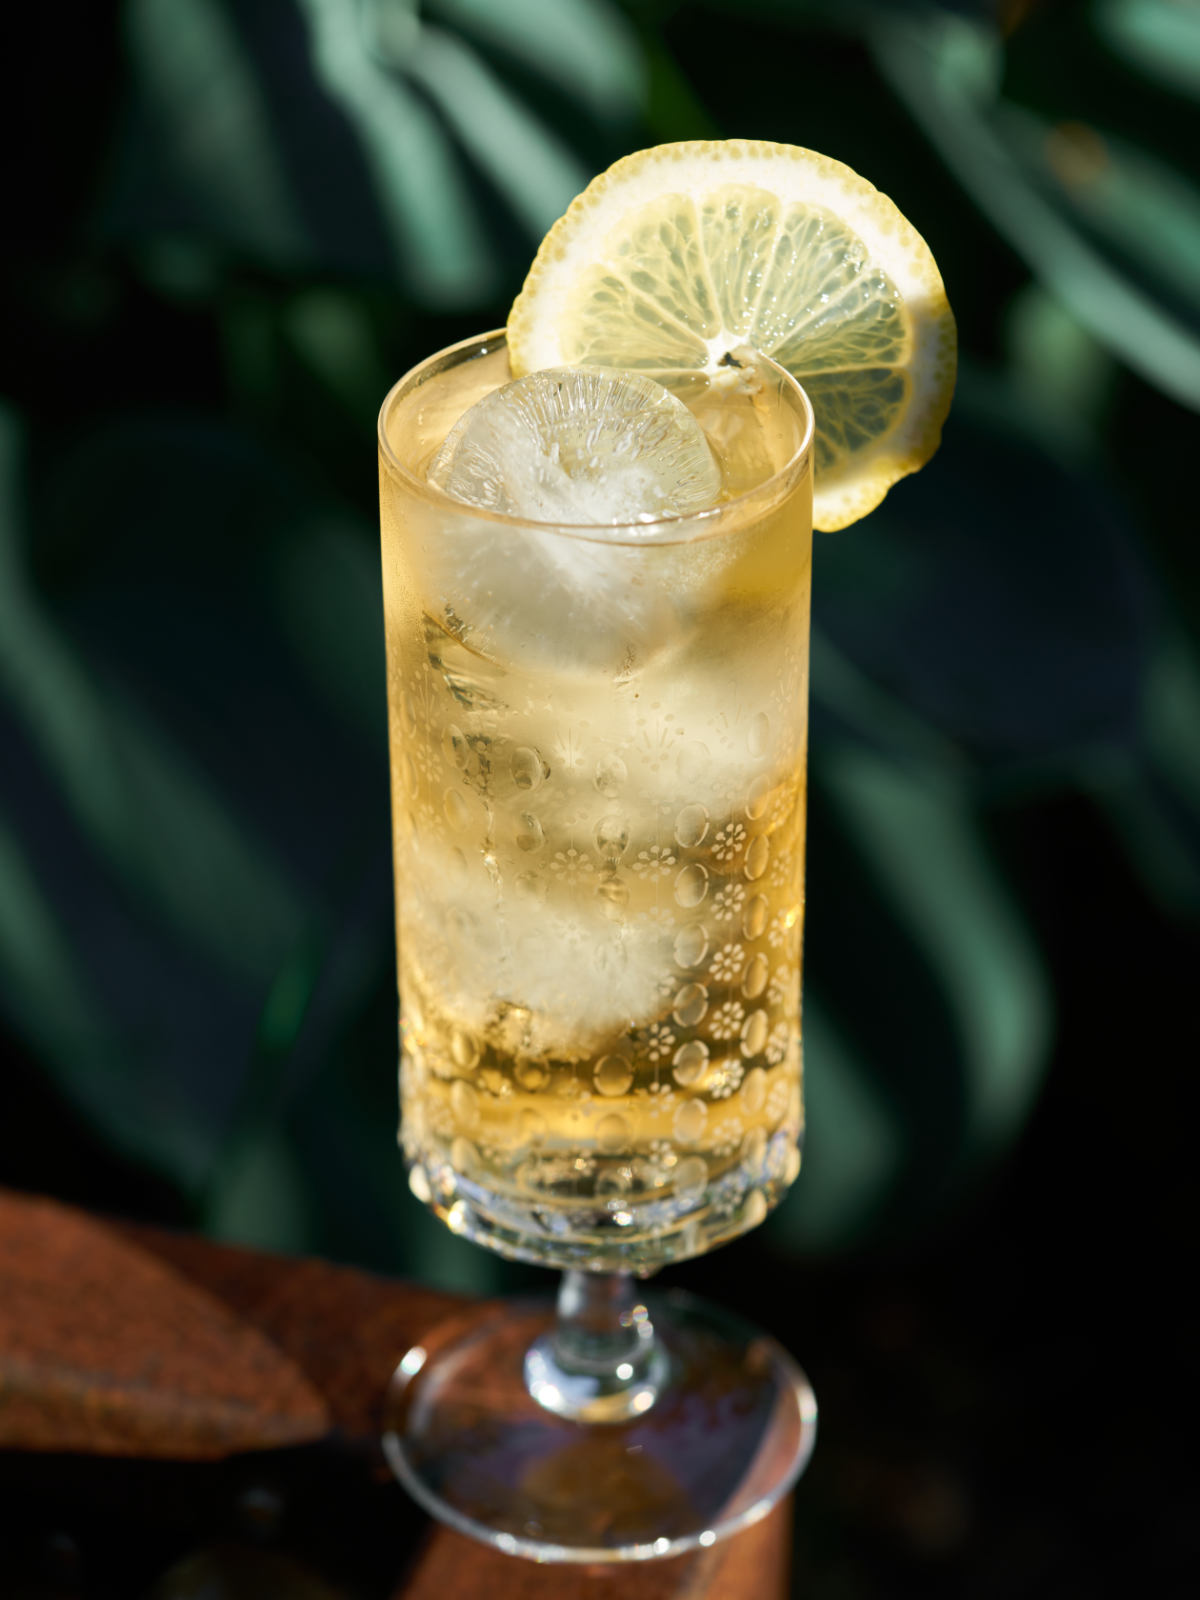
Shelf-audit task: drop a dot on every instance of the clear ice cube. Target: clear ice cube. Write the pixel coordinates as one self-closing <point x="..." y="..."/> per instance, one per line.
<point x="576" y="974"/>
<point x="576" y="445"/>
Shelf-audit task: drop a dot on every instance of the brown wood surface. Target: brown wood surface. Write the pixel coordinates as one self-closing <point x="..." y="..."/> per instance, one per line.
<point x="144" y="1366"/>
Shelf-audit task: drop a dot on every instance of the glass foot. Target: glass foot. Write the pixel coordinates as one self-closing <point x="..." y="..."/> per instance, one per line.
<point x="728" y="1426"/>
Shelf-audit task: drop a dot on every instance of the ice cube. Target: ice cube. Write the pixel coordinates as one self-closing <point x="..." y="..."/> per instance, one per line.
<point x="576" y="445"/>
<point x="561" y="590"/>
<point x="577" y="974"/>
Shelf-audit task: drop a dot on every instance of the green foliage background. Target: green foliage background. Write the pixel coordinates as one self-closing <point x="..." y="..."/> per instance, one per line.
<point x="233" y="226"/>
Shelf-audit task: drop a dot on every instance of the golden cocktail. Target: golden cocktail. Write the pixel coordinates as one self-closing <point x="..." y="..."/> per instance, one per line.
<point x="598" y="745"/>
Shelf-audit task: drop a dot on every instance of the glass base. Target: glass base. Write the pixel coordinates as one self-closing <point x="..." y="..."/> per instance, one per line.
<point x="725" y="1433"/>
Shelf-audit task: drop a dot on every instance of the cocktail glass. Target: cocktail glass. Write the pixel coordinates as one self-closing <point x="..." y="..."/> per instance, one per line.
<point x="598" y="741"/>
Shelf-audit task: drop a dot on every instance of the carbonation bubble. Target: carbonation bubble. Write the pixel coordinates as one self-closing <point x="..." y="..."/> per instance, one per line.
<point x="690" y="1176"/>
<point x="464" y="1103"/>
<point x="463" y="1156"/>
<point x="754" y="1090"/>
<point x="532" y="1076"/>
<point x="755" y="1208"/>
<point x="610" y="776"/>
<point x="691" y="884"/>
<point x="755" y="919"/>
<point x="690" y="1117"/>
<point x="691" y="945"/>
<point x="690" y="826"/>
<point x="527" y="768"/>
<point x="455" y="807"/>
<point x="464" y="1047"/>
<point x="530" y="833"/>
<point x="612" y="836"/>
<point x="612" y="1133"/>
<point x="759" y="797"/>
<point x="755" y="980"/>
<point x="691" y="1002"/>
<point x="613" y="1075"/>
<point x="454" y="743"/>
<point x="754" y="1033"/>
<point x="758" y="735"/>
<point x="691" y="1062"/>
<point x="757" y="857"/>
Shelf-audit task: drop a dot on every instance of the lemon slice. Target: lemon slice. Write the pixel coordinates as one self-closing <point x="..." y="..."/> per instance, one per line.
<point x="678" y="255"/>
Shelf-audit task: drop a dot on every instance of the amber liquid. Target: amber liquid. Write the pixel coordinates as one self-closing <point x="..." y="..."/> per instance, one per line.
<point x="598" y="805"/>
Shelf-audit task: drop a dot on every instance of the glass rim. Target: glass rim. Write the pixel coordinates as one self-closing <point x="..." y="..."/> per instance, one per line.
<point x="685" y="528"/>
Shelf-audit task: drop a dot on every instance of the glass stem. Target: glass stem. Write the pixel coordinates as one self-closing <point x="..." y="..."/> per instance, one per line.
<point x="602" y="1361"/>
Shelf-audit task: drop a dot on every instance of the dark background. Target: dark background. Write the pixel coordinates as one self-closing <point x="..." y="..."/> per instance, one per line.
<point x="230" y="227"/>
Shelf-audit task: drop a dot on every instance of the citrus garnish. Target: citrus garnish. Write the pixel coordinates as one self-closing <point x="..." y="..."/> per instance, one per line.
<point x="679" y="255"/>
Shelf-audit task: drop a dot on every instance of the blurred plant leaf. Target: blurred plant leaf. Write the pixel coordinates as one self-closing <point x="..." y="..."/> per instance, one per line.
<point x="167" y="718"/>
<point x="263" y="1200"/>
<point x="334" y="335"/>
<point x="1160" y="37"/>
<point x="527" y="164"/>
<point x="1061" y="374"/>
<point x="1173" y="716"/>
<point x="938" y="69"/>
<point x="419" y="180"/>
<point x="996" y="603"/>
<point x="136" y="796"/>
<point x="924" y="844"/>
<point x="356" y="134"/>
<point x="317" y="996"/>
<point x="927" y="1012"/>
<point x="326" y="597"/>
<point x="584" y="47"/>
<point x="52" y="1003"/>
<point x="850" y="700"/>
<point x="1146" y="211"/>
<point x="1153" y="795"/>
<point x="202" y="139"/>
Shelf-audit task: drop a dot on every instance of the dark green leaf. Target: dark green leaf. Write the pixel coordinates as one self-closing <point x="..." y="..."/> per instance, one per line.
<point x="927" y="1013"/>
<point x="1126" y="197"/>
<point x="536" y="174"/>
<point x="924" y="64"/>
<point x="583" y="47"/>
<point x="997" y="598"/>
<point x="420" y="183"/>
<point x="202" y="137"/>
<point x="1160" y="37"/>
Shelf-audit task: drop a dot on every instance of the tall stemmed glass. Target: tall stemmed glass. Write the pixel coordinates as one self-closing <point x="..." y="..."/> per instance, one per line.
<point x="598" y="743"/>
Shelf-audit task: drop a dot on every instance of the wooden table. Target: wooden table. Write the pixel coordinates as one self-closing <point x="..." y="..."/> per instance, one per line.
<point x="175" y="1413"/>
